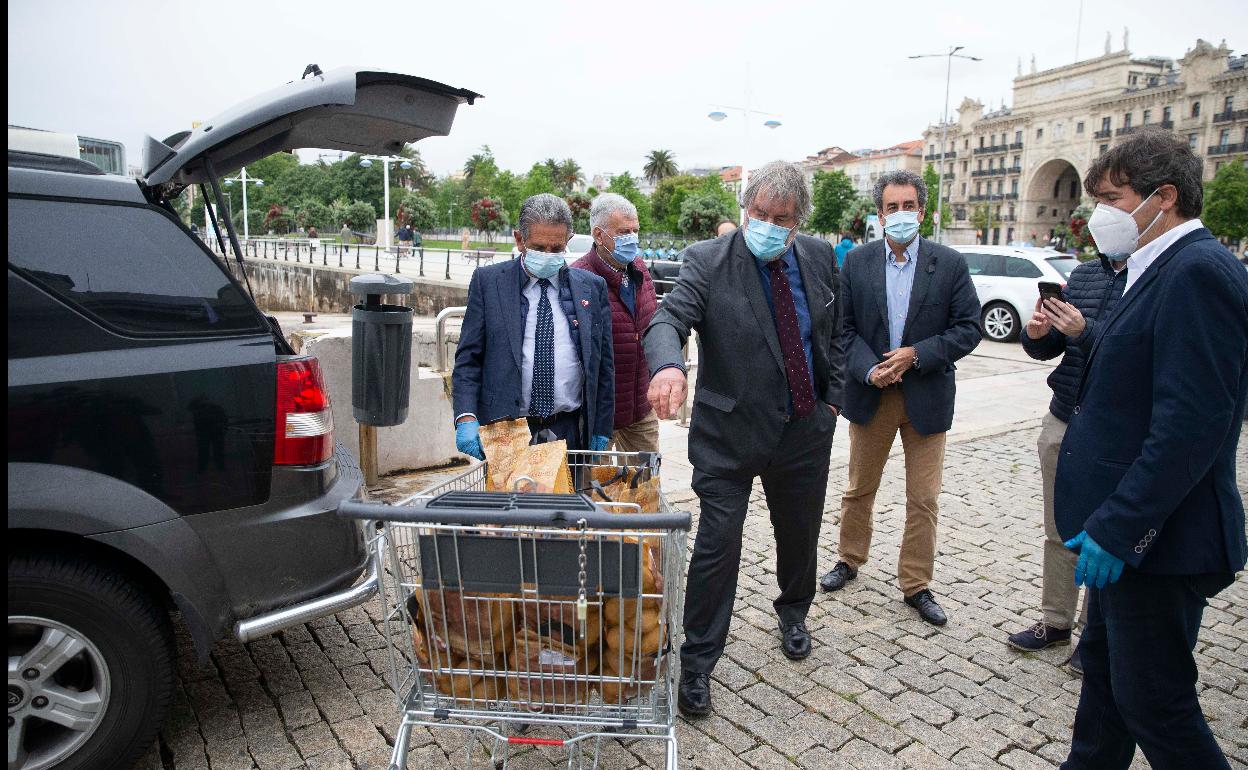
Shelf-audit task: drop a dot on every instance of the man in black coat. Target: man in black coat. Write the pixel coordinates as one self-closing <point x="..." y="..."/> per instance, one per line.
<point x="770" y="383"/>
<point x="910" y="312"/>
<point x="1089" y="297"/>
<point x="1145" y="487"/>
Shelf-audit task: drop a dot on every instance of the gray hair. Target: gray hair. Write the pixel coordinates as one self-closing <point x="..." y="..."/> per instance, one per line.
<point x="900" y="178"/>
<point x="607" y="204"/>
<point x="784" y="181"/>
<point x="545" y="209"/>
<point x="1148" y="160"/>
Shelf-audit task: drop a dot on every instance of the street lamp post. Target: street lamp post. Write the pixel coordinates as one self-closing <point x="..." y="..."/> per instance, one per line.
<point x="719" y="114"/>
<point x="944" y="127"/>
<point x="244" y="180"/>
<point x="386" y="160"/>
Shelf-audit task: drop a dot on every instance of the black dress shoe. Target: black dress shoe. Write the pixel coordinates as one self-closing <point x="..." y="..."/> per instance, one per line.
<point x="928" y="609"/>
<point x="794" y="640"/>
<point x="1038" y="637"/>
<point x="835" y="580"/>
<point x="694" y="698"/>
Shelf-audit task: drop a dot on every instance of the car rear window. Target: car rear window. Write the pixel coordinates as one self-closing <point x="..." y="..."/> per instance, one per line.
<point x="130" y="267"/>
<point x="1017" y="267"/>
<point x="1064" y="266"/>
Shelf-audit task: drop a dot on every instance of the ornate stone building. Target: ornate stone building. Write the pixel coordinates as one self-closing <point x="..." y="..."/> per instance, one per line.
<point x="1019" y="169"/>
<point x="865" y="166"/>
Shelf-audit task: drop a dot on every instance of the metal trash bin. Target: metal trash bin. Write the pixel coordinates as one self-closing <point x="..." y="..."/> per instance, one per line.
<point x="381" y="351"/>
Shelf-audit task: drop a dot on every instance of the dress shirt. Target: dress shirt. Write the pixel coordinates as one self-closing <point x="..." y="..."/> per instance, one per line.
<point x="791" y="271"/>
<point x="1144" y="256"/>
<point x="898" y="285"/>
<point x="569" y="379"/>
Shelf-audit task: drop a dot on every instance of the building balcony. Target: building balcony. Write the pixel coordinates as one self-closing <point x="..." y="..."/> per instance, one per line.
<point x="1014" y="170"/>
<point x="1229" y="115"/>
<point x="993" y="148"/>
<point x="1228" y="149"/>
<point x="1166" y="124"/>
<point x="991" y="197"/>
<point x="1016" y="145"/>
<point x="1125" y="130"/>
<point x="989" y="172"/>
<point x="1104" y="133"/>
<point x="950" y="155"/>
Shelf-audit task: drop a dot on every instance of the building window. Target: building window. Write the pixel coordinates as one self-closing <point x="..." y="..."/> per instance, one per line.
<point x="1192" y="141"/>
<point x="1165" y="115"/>
<point x="1014" y="187"/>
<point x="964" y="188"/>
<point x="1039" y="134"/>
<point x="1106" y="125"/>
<point x="981" y="141"/>
<point x="1218" y="166"/>
<point x="1195" y="109"/>
<point x="1041" y="211"/>
<point x="1148" y="115"/>
<point x="1133" y="80"/>
<point x="1229" y="104"/>
<point x="993" y="143"/>
<point x="1074" y="189"/>
<point x="1224" y="138"/>
<point x="1126" y="120"/>
<point x="1000" y="187"/>
<point x="1079" y="127"/>
<point x="966" y="144"/>
<point x="1018" y="161"/>
<point x="1104" y="147"/>
<point x="965" y="165"/>
<point x="1018" y="137"/>
<point x="1057" y="186"/>
<point x="931" y="149"/>
<point x="979" y="165"/>
<point x="979" y="188"/>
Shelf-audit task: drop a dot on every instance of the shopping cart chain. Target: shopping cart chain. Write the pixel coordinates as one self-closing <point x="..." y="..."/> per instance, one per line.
<point x="582" y="604"/>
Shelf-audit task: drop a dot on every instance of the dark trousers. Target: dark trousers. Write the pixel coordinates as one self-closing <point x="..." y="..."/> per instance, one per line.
<point x="564" y="425"/>
<point x="1139" y="676"/>
<point x="795" y="483"/>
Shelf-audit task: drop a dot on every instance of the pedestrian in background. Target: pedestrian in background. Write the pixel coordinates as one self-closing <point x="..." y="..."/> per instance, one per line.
<point x="724" y="226"/>
<point x="764" y="302"/>
<point x="1091" y="292"/>
<point x="910" y="313"/>
<point x="344" y="235"/>
<point x="843" y="248"/>
<point x="405" y="238"/>
<point x="1145" y="488"/>
<point x="613" y="257"/>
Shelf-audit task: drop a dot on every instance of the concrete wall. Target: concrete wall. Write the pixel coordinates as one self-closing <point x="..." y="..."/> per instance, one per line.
<point x="300" y="287"/>
<point x="425" y="440"/>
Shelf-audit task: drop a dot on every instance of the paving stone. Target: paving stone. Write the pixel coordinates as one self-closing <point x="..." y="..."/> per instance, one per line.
<point x="878" y="733"/>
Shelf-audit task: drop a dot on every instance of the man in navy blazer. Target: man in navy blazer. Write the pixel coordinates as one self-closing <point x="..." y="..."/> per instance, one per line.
<point x="536" y="340"/>
<point x="1145" y="487"/>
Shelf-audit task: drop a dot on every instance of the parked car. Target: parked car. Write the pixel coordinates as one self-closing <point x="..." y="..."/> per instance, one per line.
<point x="1005" y="279"/>
<point x="168" y="451"/>
<point x="665" y="270"/>
<point x="578" y="246"/>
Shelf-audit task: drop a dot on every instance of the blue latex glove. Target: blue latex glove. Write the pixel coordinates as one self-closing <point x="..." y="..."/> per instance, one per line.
<point x="468" y="438"/>
<point x="1097" y="567"/>
<point x="599" y="443"/>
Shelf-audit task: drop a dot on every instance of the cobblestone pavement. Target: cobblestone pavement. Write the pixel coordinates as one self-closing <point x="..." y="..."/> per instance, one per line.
<point x="882" y="689"/>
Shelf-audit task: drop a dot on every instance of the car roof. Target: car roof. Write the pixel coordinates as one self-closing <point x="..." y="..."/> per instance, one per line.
<point x="27" y="180"/>
<point x="1026" y="252"/>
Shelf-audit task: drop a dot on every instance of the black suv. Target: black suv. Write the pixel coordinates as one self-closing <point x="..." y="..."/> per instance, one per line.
<point x="167" y="450"/>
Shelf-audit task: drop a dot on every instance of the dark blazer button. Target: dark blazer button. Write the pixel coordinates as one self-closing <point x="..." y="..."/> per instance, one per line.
<point x="1076" y="409"/>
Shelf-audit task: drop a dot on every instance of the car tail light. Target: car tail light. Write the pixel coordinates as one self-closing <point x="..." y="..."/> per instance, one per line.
<point x="305" y="424"/>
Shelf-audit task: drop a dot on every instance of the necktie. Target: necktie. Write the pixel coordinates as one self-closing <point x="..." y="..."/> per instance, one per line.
<point x="795" y="368"/>
<point x="542" y="399"/>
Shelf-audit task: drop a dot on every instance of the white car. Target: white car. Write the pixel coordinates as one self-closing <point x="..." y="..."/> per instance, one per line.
<point x="1005" y="279"/>
<point x="578" y="247"/>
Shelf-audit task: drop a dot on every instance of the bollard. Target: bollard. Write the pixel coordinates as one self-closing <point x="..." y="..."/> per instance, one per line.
<point x="422" y="262"/>
<point x="357" y="256"/>
<point x="448" y="264"/>
<point x="376" y="257"/>
<point x="381" y="359"/>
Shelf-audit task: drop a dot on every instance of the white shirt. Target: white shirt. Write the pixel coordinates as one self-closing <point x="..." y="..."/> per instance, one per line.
<point x="569" y="378"/>
<point x="1144" y="256"/>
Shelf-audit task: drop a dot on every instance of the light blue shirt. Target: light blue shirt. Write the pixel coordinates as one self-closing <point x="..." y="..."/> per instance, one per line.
<point x="898" y="285"/>
<point x="569" y="379"/>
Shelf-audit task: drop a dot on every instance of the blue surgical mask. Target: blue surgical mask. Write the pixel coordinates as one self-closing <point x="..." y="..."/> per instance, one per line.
<point x="765" y="240"/>
<point x="626" y="245"/>
<point x="543" y="264"/>
<point x="902" y="226"/>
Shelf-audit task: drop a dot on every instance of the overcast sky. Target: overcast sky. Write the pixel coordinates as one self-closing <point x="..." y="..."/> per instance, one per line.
<point x="601" y="82"/>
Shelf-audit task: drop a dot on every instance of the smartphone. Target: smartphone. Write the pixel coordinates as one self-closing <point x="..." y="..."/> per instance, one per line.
<point x="1050" y="290"/>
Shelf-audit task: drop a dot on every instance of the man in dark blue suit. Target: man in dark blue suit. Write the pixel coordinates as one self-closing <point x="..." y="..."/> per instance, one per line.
<point x="1145" y="487"/>
<point x="536" y="340"/>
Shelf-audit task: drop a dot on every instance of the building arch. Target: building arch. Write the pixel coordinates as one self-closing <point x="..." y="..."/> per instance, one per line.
<point x="1051" y="195"/>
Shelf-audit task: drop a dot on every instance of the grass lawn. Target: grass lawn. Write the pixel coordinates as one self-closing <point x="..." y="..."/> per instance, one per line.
<point x="500" y="245"/>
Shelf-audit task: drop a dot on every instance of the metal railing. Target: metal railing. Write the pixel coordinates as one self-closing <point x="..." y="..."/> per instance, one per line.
<point x="1227" y="149"/>
<point x="1229" y="115"/>
<point x="439" y="335"/>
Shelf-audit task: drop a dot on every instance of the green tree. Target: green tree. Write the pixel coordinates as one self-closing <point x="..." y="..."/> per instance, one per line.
<point x="450" y="197"/>
<point x="1226" y="202"/>
<point x="833" y="194"/>
<point x="983" y="218"/>
<point x="569" y="175"/>
<point x="489" y="215"/>
<point x="699" y="213"/>
<point x="672" y="191"/>
<point x="507" y="189"/>
<point x="660" y="164"/>
<point x="928" y="225"/>
<point x="624" y="184"/>
<point x="854" y="220"/>
<point x="480" y="174"/>
<point x="360" y="215"/>
<point x="309" y="212"/>
<point x="417" y="210"/>
<point x="276" y="219"/>
<point x="538" y="180"/>
<point x="579" y="203"/>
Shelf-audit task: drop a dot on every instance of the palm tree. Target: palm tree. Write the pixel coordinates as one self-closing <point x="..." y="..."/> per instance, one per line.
<point x="477" y="161"/>
<point x="569" y="175"/>
<point x="659" y="165"/>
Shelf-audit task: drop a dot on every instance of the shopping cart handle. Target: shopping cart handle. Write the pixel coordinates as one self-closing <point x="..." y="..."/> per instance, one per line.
<point x="419" y="514"/>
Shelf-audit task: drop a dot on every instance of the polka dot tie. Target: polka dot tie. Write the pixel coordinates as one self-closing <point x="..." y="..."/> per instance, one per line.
<point x="791" y="341"/>
<point x="542" y="399"/>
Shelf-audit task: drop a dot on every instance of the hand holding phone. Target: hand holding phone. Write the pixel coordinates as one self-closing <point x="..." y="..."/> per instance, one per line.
<point x="1049" y="290"/>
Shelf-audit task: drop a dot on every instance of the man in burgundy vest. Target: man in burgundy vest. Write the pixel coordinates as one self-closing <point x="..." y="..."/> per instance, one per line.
<point x="614" y="257"/>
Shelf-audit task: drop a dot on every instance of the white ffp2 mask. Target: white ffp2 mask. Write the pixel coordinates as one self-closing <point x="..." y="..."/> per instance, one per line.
<point x="1115" y="231"/>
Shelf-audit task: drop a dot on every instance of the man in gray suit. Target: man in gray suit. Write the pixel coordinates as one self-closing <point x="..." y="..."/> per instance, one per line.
<point x="910" y="311"/>
<point x="770" y="360"/>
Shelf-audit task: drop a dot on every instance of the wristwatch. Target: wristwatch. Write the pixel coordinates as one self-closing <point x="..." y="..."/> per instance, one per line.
<point x="916" y="359"/>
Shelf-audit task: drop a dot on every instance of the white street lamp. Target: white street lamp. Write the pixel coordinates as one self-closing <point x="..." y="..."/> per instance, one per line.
<point x="944" y="127"/>
<point x="719" y="114"/>
<point x="366" y="161"/>
<point x="244" y="180"/>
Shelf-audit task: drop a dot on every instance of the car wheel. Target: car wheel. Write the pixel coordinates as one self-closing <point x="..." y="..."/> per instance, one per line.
<point x="1000" y="322"/>
<point x="90" y="664"/>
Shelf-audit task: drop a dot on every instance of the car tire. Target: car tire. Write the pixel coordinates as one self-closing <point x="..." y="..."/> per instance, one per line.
<point x="98" y="650"/>
<point x="1000" y="322"/>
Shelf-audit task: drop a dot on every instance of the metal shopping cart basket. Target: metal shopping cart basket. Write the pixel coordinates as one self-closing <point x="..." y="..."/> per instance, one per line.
<point x="528" y="619"/>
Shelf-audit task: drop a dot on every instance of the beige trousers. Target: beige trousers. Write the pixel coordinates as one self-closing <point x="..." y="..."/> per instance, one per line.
<point x="869" y="446"/>
<point x="1059" y="595"/>
<point x="641" y="436"/>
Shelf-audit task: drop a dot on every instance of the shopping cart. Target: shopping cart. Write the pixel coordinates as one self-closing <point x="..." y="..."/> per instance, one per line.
<point x="529" y="619"/>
